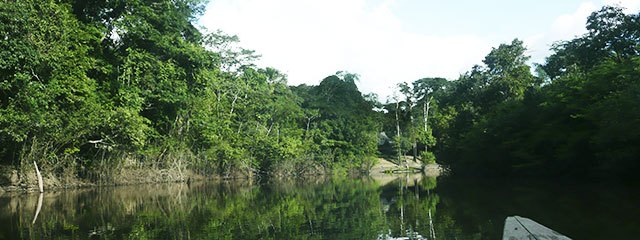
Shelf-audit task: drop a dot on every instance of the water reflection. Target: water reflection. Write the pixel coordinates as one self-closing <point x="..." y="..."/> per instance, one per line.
<point x="405" y="207"/>
<point x="315" y="209"/>
<point x="409" y="202"/>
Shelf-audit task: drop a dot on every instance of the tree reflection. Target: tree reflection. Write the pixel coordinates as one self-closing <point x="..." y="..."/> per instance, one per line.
<point x="311" y="209"/>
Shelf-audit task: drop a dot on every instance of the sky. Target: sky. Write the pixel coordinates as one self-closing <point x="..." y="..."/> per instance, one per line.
<point x="387" y="42"/>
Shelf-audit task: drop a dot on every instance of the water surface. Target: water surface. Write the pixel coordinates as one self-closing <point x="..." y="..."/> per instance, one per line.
<point x="361" y="208"/>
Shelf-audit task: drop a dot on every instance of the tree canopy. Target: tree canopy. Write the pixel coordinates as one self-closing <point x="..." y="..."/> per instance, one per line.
<point x="575" y="117"/>
<point x="91" y="86"/>
<point x="96" y="85"/>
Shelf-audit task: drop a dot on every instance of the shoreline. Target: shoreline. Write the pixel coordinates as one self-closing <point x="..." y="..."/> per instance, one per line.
<point x="385" y="167"/>
<point x="13" y="183"/>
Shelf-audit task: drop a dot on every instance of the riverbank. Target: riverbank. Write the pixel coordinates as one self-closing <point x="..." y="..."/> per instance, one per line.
<point x="25" y="180"/>
<point x="12" y="180"/>
<point x="386" y="167"/>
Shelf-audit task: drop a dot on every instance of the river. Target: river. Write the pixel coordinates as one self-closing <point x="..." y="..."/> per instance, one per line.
<point x="334" y="208"/>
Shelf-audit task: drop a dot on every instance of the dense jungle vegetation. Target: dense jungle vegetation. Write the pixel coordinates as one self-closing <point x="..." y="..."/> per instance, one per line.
<point x="93" y="86"/>
<point x="90" y="87"/>
<point x="577" y="116"/>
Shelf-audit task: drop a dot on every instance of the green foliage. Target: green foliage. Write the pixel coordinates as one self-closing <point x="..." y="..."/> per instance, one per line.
<point x="576" y="117"/>
<point x="428" y="157"/>
<point x="344" y="128"/>
<point x="93" y="81"/>
<point x="95" y="85"/>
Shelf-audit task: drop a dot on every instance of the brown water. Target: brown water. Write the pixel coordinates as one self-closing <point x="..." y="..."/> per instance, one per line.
<point x="417" y="207"/>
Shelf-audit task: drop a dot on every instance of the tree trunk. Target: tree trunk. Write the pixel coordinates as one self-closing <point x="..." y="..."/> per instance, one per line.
<point x="40" y="183"/>
<point x="398" y="131"/>
<point x="413" y="135"/>
<point x="425" y="112"/>
<point x="233" y="103"/>
<point x="269" y="131"/>
<point x="306" y="131"/>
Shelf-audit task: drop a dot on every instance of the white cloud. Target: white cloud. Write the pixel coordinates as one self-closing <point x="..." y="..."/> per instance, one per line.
<point x="310" y="40"/>
<point x="564" y="27"/>
<point x="570" y="25"/>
